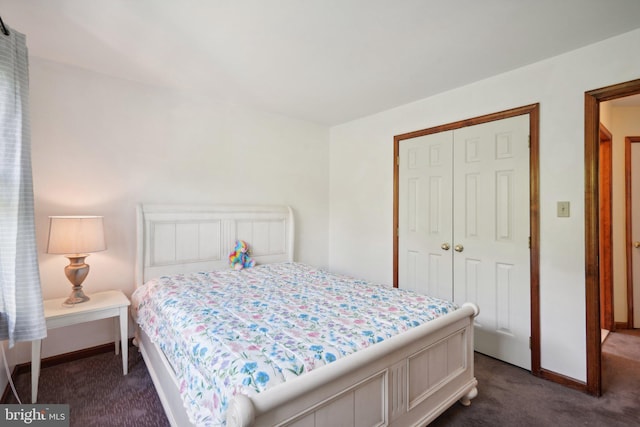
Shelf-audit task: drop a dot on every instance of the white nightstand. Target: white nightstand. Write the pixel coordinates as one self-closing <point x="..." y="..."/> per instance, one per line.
<point x="101" y="305"/>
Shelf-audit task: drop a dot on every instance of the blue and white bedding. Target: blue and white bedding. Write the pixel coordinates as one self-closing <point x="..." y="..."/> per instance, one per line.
<point x="229" y="332"/>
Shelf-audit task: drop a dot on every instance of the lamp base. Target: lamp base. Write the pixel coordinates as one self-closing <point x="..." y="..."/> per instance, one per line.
<point x="76" y="272"/>
<point x="77" y="296"/>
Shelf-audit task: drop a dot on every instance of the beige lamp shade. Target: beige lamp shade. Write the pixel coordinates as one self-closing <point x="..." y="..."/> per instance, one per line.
<point x="75" y="235"/>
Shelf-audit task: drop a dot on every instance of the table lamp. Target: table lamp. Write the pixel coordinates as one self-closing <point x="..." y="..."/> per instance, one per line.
<point x="75" y="237"/>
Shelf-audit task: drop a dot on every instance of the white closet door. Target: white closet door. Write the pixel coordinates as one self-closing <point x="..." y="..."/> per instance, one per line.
<point x="424" y="215"/>
<point x="491" y="234"/>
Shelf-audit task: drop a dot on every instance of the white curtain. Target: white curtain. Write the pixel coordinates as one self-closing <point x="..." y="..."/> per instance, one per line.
<point x="21" y="312"/>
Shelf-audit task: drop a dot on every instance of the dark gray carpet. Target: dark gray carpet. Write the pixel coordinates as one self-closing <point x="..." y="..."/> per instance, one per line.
<point x="510" y="396"/>
<point x="99" y="395"/>
<point x="97" y="392"/>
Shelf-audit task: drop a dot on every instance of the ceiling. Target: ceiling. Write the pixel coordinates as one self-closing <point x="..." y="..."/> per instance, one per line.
<point x="326" y="61"/>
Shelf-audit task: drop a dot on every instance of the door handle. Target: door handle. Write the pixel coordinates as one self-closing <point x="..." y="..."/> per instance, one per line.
<point x="636" y="244"/>
<point x="458" y="248"/>
<point x="445" y="246"/>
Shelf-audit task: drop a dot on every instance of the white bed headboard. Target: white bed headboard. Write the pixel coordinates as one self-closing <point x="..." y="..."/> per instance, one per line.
<point x="175" y="239"/>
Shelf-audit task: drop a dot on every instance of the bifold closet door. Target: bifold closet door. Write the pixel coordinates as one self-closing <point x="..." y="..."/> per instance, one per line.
<point x="424" y="215"/>
<point x="491" y="230"/>
<point x="464" y="227"/>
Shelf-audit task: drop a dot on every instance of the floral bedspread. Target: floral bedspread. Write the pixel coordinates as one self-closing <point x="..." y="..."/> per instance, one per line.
<point x="229" y="332"/>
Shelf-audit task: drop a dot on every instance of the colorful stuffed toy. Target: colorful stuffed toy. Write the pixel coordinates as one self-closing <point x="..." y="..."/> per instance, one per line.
<point x="239" y="258"/>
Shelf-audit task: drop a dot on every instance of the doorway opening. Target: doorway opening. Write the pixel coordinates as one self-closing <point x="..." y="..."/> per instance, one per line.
<point x="632" y="192"/>
<point x="592" y="225"/>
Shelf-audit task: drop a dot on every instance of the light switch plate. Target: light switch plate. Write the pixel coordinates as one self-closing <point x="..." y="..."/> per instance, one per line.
<point x="564" y="209"/>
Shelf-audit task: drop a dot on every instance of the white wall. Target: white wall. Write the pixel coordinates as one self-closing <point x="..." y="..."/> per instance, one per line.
<point x="101" y="145"/>
<point x="360" y="241"/>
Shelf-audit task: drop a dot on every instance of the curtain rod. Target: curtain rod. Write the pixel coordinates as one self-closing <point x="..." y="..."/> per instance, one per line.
<point x="5" y="30"/>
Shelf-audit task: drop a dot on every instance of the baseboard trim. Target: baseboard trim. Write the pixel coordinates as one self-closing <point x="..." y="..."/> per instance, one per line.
<point x="24" y="368"/>
<point x="622" y="325"/>
<point x="563" y="380"/>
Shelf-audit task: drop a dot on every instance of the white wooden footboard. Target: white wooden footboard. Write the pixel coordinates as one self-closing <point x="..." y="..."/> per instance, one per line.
<point x="407" y="380"/>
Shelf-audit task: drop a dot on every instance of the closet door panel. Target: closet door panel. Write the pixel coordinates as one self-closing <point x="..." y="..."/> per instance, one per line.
<point x="425" y="215"/>
<point x="491" y="229"/>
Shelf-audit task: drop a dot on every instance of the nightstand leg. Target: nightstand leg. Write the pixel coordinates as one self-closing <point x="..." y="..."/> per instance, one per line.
<point x="116" y="327"/>
<point x="35" y="368"/>
<point x="124" y="319"/>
